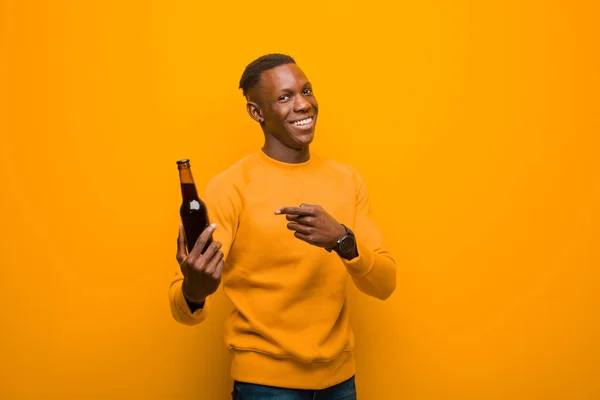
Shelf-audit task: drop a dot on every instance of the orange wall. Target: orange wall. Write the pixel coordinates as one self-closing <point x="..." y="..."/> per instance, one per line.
<point x="474" y="125"/>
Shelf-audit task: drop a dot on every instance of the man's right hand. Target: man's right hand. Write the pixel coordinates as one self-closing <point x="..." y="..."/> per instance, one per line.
<point x="201" y="268"/>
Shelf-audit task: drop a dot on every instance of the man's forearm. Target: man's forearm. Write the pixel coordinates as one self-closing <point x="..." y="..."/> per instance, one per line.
<point x="373" y="271"/>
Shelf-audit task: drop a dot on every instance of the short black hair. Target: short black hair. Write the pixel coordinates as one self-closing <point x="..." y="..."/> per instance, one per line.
<point x="251" y="75"/>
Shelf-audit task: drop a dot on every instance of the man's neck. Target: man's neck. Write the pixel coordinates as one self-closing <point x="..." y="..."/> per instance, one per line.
<point x="285" y="154"/>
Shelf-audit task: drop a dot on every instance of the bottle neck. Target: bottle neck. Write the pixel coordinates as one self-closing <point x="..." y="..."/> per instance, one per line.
<point x="188" y="188"/>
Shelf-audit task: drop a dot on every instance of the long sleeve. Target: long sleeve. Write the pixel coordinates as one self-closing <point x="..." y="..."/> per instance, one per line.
<point x="374" y="270"/>
<point x="179" y="306"/>
<point x="223" y="203"/>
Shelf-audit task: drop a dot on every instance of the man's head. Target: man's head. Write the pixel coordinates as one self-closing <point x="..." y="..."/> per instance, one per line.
<point x="280" y="98"/>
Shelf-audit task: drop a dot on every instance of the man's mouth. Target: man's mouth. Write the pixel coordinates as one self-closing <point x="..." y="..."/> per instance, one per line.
<point x="303" y="122"/>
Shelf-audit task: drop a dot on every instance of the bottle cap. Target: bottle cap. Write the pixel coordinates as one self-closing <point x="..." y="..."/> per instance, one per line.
<point x="183" y="161"/>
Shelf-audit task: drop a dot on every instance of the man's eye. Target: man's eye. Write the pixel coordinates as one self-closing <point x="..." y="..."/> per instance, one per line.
<point x="307" y="91"/>
<point x="284" y="97"/>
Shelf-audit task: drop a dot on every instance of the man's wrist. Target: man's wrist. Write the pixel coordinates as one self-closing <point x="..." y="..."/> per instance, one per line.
<point x="341" y="244"/>
<point x="352" y="254"/>
<point x="334" y="244"/>
<point x="196" y="302"/>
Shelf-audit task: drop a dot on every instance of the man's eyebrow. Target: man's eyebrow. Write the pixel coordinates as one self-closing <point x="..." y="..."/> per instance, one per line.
<point x="289" y="88"/>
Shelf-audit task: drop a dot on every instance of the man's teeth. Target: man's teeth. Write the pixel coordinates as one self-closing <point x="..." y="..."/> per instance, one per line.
<point x="303" y="122"/>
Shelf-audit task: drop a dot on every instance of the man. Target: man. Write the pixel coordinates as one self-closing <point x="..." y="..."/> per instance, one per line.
<point x="293" y="227"/>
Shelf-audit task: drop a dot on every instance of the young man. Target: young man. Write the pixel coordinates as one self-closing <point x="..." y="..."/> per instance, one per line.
<point x="293" y="227"/>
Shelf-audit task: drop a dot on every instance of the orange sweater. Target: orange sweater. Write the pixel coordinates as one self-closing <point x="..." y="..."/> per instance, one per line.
<point x="290" y="323"/>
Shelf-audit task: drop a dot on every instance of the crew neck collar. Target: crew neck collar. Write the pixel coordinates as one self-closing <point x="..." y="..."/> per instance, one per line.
<point x="269" y="161"/>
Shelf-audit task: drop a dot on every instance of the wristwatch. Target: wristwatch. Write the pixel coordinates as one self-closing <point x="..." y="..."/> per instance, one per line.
<point x="345" y="244"/>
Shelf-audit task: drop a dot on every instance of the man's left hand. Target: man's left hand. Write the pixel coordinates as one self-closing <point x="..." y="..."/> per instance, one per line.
<point x="313" y="224"/>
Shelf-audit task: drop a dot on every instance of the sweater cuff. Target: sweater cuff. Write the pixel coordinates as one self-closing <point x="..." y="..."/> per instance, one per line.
<point x="361" y="265"/>
<point x="184" y="309"/>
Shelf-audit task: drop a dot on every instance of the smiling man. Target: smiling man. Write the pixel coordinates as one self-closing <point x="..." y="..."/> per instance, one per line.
<point x="290" y="230"/>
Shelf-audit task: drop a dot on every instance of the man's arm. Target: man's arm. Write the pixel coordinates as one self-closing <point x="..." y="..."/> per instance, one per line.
<point x="199" y="276"/>
<point x="184" y="312"/>
<point x="224" y="205"/>
<point x="373" y="269"/>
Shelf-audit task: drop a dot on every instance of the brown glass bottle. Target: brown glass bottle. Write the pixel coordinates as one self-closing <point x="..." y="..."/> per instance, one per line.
<point x="193" y="211"/>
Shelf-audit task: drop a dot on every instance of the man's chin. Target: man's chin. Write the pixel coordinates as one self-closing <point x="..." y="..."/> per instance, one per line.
<point x="304" y="137"/>
<point x="302" y="141"/>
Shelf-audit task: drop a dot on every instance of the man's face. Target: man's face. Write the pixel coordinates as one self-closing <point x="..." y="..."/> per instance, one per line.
<point x="288" y="105"/>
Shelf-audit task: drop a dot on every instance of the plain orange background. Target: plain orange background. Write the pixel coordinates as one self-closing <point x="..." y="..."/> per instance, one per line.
<point x="474" y="124"/>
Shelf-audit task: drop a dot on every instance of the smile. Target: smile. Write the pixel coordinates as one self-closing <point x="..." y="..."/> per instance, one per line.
<point x="303" y="122"/>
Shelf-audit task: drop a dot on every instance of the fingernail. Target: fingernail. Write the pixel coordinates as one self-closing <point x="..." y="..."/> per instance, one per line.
<point x="277" y="211"/>
<point x="213" y="226"/>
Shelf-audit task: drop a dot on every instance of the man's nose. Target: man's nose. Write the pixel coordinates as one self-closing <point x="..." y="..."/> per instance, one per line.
<point x="301" y="104"/>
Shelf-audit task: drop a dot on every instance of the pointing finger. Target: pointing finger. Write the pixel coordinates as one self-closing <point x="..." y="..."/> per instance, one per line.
<point x="300" y="211"/>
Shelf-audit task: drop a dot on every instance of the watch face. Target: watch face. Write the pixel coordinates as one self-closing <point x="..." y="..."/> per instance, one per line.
<point x="346" y="244"/>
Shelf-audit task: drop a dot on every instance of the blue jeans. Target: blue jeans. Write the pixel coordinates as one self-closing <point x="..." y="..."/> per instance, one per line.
<point x="249" y="391"/>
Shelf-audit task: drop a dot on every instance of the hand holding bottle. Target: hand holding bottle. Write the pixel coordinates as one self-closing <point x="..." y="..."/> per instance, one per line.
<point x="201" y="268"/>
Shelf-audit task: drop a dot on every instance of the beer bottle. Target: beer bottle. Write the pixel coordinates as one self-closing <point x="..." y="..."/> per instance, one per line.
<point x="193" y="212"/>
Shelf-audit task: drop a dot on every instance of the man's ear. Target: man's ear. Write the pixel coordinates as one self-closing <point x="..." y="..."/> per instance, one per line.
<point x="255" y="112"/>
